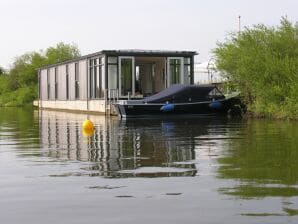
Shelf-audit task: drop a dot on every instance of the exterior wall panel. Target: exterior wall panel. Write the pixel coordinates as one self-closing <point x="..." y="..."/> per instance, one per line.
<point x="71" y="72"/>
<point x="52" y="83"/>
<point x="61" y="76"/>
<point x="43" y="85"/>
<point x="97" y="106"/>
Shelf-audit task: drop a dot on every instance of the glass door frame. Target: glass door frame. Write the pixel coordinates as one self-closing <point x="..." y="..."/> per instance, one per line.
<point x="168" y="80"/>
<point x="133" y="75"/>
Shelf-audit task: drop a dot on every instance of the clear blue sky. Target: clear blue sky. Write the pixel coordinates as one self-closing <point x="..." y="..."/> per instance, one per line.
<point x="28" y="25"/>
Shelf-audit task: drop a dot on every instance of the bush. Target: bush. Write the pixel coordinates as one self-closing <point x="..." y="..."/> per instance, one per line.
<point x="262" y="63"/>
<point x="19" y="97"/>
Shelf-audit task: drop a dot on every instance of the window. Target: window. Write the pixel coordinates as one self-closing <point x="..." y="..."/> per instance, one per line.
<point x="126" y="66"/>
<point x="67" y="81"/>
<point x="77" y="82"/>
<point x="95" y="78"/>
<point x="138" y="88"/>
<point x="56" y="83"/>
<point x="112" y="72"/>
<point x="187" y="70"/>
<point x="175" y="67"/>
<point x="103" y="76"/>
<point x="112" y="60"/>
<point x="90" y="77"/>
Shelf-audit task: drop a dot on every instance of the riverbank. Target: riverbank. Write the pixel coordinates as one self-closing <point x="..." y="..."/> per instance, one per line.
<point x="278" y="115"/>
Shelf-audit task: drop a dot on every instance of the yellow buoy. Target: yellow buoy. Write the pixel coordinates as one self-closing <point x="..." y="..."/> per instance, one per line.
<point x="88" y="132"/>
<point x="88" y="128"/>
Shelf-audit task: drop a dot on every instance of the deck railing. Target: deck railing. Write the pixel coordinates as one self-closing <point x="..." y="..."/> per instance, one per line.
<point x="111" y="97"/>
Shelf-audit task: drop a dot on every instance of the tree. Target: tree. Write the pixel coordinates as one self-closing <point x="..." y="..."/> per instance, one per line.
<point x="61" y="52"/>
<point x="2" y="71"/>
<point x="21" y="83"/>
<point x="262" y="62"/>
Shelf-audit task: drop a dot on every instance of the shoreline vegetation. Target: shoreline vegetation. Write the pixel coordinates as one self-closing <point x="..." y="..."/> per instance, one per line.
<point x="18" y="86"/>
<point x="262" y="64"/>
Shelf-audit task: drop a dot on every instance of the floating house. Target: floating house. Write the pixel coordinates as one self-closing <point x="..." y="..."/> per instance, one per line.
<point x="95" y="81"/>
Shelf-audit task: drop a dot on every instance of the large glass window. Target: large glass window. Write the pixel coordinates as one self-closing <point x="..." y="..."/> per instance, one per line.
<point x="187" y="69"/>
<point x="91" y="76"/>
<point x="77" y="82"/>
<point x="112" y="80"/>
<point x="102" y="84"/>
<point x="126" y="67"/>
<point x="95" y="78"/>
<point x="175" y="71"/>
<point x="112" y="73"/>
<point x="138" y="87"/>
<point x="112" y="60"/>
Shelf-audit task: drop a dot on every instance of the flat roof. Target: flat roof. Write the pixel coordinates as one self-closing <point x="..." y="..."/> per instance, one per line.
<point x="129" y="52"/>
<point x="148" y="52"/>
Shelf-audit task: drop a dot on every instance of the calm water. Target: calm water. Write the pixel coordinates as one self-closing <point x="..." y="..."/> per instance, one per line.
<point x="146" y="171"/>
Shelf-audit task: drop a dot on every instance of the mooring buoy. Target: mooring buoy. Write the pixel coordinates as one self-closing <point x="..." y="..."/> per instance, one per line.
<point x="88" y="128"/>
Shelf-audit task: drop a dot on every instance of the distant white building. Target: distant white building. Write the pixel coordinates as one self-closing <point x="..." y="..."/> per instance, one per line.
<point x="206" y="72"/>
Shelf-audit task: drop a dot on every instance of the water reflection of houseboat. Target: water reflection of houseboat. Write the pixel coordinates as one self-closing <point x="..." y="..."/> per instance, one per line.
<point x="118" y="148"/>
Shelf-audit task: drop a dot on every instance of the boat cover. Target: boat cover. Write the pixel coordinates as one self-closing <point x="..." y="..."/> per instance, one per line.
<point x="178" y="93"/>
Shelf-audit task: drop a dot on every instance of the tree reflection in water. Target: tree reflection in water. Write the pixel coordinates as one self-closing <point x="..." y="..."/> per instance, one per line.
<point x="263" y="162"/>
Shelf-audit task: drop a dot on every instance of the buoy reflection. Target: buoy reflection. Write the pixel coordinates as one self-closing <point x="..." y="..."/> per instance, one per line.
<point x="88" y="132"/>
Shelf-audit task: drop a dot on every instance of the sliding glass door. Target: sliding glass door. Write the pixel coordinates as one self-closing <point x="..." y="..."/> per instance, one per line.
<point x="175" y="71"/>
<point x="96" y="78"/>
<point x="126" y="76"/>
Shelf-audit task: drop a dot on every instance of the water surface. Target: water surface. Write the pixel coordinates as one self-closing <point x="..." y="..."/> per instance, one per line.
<point x="186" y="170"/>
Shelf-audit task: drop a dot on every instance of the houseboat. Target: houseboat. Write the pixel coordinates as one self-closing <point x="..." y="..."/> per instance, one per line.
<point x="95" y="82"/>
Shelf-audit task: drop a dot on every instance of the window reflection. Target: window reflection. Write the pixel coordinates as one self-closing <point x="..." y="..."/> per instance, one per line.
<point x="118" y="146"/>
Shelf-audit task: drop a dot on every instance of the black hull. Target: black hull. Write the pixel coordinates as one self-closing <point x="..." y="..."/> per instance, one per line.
<point x="194" y="108"/>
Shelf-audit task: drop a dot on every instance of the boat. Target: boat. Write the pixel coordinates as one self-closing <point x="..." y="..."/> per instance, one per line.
<point x="181" y="99"/>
